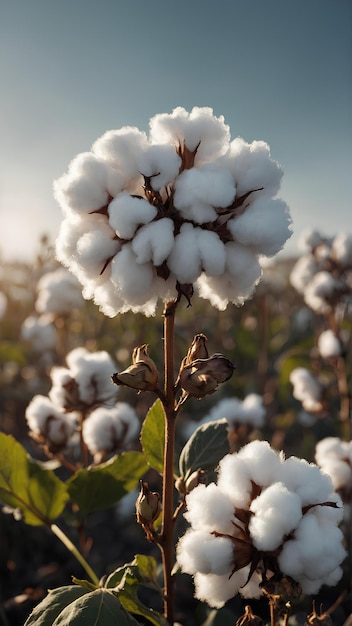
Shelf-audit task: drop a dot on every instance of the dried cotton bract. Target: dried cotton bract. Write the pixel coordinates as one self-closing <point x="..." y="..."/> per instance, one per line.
<point x="146" y="216"/>
<point x="266" y="516"/>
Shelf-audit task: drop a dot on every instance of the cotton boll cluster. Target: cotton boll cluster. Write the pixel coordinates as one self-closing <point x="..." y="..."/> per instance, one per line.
<point x="249" y="412"/>
<point x="334" y="456"/>
<point x="329" y="344"/>
<point x="324" y="274"/>
<point x="40" y="331"/>
<point x="85" y="382"/>
<point x="145" y="215"/>
<point x="307" y="389"/>
<point x="266" y="515"/>
<point x="108" y="429"/>
<point x="58" y="293"/>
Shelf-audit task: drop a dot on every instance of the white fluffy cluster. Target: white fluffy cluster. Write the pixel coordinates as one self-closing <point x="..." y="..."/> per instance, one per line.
<point x="144" y="215"/>
<point x="285" y="510"/>
<point x="329" y="344"/>
<point x="249" y="411"/>
<point x="334" y="456"/>
<point x="307" y="389"/>
<point x="85" y="382"/>
<point x="109" y="428"/>
<point x="40" y="331"/>
<point x="83" y="388"/>
<point x="324" y="274"/>
<point x="58" y="293"/>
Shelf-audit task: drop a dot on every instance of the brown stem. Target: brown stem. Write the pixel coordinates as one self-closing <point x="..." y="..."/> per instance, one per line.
<point x="272" y="611"/>
<point x="166" y="542"/>
<point x="84" y="449"/>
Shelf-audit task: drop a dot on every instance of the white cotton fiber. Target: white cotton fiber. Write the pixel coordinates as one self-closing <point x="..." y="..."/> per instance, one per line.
<point x="154" y="242"/>
<point x="198" y="192"/>
<point x="306" y="479"/>
<point x="262" y="461"/>
<point x="83" y="188"/>
<point x="208" y="508"/>
<point x="341" y="249"/>
<point x="321" y="290"/>
<point x="119" y="148"/>
<point x="110" y="428"/>
<point x="161" y="163"/>
<point x="184" y="260"/>
<point x="204" y="553"/>
<point x="264" y="226"/>
<point x="306" y="388"/>
<point x="234" y="480"/>
<point x="127" y="213"/>
<point x="253" y="167"/>
<point x="132" y="279"/>
<point x="212" y="252"/>
<point x="58" y="292"/>
<point x="277" y="512"/>
<point x="329" y="345"/>
<point x="303" y="272"/>
<point x="40" y="331"/>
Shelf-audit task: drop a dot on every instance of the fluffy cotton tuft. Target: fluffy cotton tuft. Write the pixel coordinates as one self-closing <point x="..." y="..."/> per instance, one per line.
<point x="329" y="345"/>
<point x="40" y="331"/>
<point x="334" y="456"/>
<point x="180" y="206"/>
<point x="307" y="389"/>
<point x="58" y="293"/>
<point x="108" y="429"/>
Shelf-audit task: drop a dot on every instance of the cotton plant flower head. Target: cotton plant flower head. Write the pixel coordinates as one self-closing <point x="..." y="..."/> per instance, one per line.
<point x="323" y="275"/>
<point x="249" y="412"/>
<point x="109" y="429"/>
<point x="150" y="217"/>
<point x="329" y="344"/>
<point x="40" y="331"/>
<point x="307" y="389"/>
<point x="266" y="516"/>
<point x="86" y="381"/>
<point x="48" y="425"/>
<point x="58" y="293"/>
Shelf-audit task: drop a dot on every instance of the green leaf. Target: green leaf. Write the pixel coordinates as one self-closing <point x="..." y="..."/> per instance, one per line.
<point x="143" y="567"/>
<point x="219" y="617"/>
<point x="38" y="493"/>
<point x="205" y="448"/>
<point x="100" y="487"/>
<point x="153" y="436"/>
<point x="128" y="596"/>
<point x="45" y="613"/>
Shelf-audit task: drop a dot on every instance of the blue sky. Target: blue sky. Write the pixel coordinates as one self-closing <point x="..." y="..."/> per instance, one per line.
<point x="278" y="70"/>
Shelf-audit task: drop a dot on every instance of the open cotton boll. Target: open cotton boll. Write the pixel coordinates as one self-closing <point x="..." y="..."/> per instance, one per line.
<point x="127" y="213"/>
<point x="40" y="331"/>
<point x="198" y="128"/>
<point x="243" y="266"/>
<point x="133" y="280"/>
<point x="58" y="292"/>
<point x="276" y="513"/>
<point x="264" y="227"/>
<point x="306" y="389"/>
<point x="154" y="242"/>
<point x="184" y="260"/>
<point x="306" y="479"/>
<point x="253" y="168"/>
<point x="212" y="252"/>
<point x="262" y="461"/>
<point x="94" y="249"/>
<point x="119" y="148"/>
<point x="108" y="429"/>
<point x="329" y="345"/>
<point x="302" y="273"/>
<point x="161" y="163"/>
<point x="198" y="192"/>
<point x="321" y="290"/>
<point x="46" y="421"/>
<point x="234" y="480"/>
<point x="341" y="249"/>
<point x="309" y="239"/>
<point x="198" y="551"/>
<point x="83" y="188"/>
<point x="208" y="508"/>
<point x="217" y="590"/>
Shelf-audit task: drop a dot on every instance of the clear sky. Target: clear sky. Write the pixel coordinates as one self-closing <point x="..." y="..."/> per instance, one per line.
<point x="278" y="70"/>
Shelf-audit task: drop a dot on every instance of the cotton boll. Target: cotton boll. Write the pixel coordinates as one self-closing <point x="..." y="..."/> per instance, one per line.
<point x="217" y="590"/>
<point x="92" y="372"/>
<point x="198" y="192"/>
<point x="249" y="411"/>
<point x="110" y="428"/>
<point x="154" y="241"/>
<point x="127" y="213"/>
<point x="253" y="410"/>
<point x="212" y="252"/>
<point x="234" y="480"/>
<point x="133" y="280"/>
<point x="94" y="249"/>
<point x="276" y="513"/>
<point x="264" y="226"/>
<point x="58" y="292"/>
<point x="84" y="188"/>
<point x="198" y="551"/>
<point x="309" y="239"/>
<point x="302" y="273"/>
<point x="307" y="480"/>
<point x="321" y="290"/>
<point x="341" y="250"/>
<point x="40" y="331"/>
<point x="209" y="509"/>
<point x="306" y="389"/>
<point x="184" y="260"/>
<point x="329" y="345"/>
<point x="161" y="163"/>
<point x="263" y="463"/>
<point x="253" y="168"/>
<point x="46" y="421"/>
<point x="120" y="149"/>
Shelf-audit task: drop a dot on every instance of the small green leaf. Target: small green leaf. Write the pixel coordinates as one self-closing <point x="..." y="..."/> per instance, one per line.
<point x="45" y="613"/>
<point x="143" y="568"/>
<point x="219" y="617"/>
<point x="153" y="436"/>
<point x="205" y="448"/>
<point x="38" y="493"/>
<point x="97" y="488"/>
<point x="128" y="596"/>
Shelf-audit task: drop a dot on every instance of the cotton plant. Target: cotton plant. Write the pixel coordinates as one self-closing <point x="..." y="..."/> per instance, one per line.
<point x="267" y="516"/>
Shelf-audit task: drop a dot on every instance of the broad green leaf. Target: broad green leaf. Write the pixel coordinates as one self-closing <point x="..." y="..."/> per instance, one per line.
<point x="100" y="607"/>
<point x="38" y="493"/>
<point x="100" y="487"/>
<point x="48" y="609"/>
<point x="205" y="448"/>
<point x="153" y="436"/>
<point x="142" y="567"/>
<point x="128" y="596"/>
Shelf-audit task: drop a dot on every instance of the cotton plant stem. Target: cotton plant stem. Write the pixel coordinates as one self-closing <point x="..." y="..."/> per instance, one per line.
<point x="76" y="553"/>
<point x="166" y="539"/>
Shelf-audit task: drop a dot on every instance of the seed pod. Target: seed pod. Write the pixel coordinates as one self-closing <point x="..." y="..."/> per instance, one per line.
<point x="142" y="374"/>
<point x="202" y="377"/>
<point x="148" y="505"/>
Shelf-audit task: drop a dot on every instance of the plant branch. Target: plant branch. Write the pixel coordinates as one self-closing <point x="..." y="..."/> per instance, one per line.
<point x="76" y="553"/>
